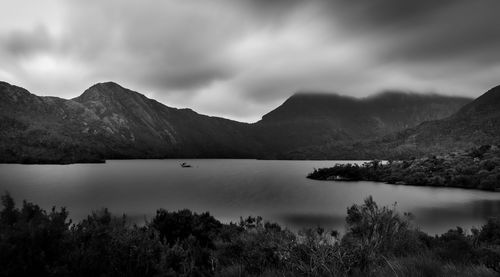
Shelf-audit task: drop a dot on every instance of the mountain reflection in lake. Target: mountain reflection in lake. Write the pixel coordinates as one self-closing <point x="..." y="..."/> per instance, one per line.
<point x="276" y="190"/>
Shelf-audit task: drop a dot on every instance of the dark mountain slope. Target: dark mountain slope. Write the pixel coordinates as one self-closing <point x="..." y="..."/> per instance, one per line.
<point x="109" y="121"/>
<point x="310" y="120"/>
<point x="45" y="129"/>
<point x="475" y="124"/>
<point x="487" y="105"/>
<point x="155" y="128"/>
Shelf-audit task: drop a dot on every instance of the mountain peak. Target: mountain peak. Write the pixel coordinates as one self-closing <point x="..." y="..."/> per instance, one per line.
<point x="106" y="91"/>
<point x="109" y="85"/>
<point x="106" y="87"/>
<point x="311" y="104"/>
<point x="388" y="105"/>
<point x="318" y="95"/>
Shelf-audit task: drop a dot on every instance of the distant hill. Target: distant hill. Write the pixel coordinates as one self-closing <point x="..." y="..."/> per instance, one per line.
<point x="45" y="129"/>
<point x="313" y="120"/>
<point x="151" y="127"/>
<point x="108" y="122"/>
<point x="475" y="124"/>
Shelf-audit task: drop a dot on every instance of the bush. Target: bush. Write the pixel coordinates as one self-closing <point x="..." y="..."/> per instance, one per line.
<point x="455" y="246"/>
<point x="319" y="254"/>
<point x="374" y="233"/>
<point x="257" y="247"/>
<point x="415" y="266"/>
<point x="32" y="242"/>
<point x="104" y="244"/>
<point x="490" y="232"/>
<point x="378" y="242"/>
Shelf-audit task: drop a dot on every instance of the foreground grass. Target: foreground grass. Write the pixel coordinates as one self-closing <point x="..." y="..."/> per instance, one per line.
<point x="378" y="242"/>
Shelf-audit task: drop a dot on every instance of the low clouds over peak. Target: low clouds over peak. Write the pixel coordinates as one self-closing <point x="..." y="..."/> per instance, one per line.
<point x="240" y="58"/>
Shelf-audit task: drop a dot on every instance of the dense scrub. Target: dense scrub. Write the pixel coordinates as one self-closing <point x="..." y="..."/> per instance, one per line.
<point x="478" y="168"/>
<point x="378" y="242"/>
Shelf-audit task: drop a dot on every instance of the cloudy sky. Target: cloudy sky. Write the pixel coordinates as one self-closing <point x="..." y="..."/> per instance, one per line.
<point x="240" y="59"/>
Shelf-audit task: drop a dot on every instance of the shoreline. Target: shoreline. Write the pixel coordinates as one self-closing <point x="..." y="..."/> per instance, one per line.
<point x="477" y="168"/>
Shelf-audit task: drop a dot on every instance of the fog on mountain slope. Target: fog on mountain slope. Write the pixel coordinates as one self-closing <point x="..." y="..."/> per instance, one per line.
<point x="314" y="120"/>
<point x="475" y="124"/>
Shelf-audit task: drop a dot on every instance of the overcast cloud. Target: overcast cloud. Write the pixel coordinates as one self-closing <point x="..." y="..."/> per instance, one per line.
<point x="240" y="59"/>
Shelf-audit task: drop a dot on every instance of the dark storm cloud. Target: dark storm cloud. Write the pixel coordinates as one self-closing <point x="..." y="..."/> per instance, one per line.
<point x="388" y="13"/>
<point x="241" y="58"/>
<point x="182" y="78"/>
<point x="420" y="29"/>
<point x="464" y="31"/>
<point x="272" y="11"/>
<point x="168" y="46"/>
<point x="20" y="43"/>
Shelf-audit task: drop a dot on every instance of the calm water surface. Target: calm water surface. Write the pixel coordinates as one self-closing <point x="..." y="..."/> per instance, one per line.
<point x="228" y="189"/>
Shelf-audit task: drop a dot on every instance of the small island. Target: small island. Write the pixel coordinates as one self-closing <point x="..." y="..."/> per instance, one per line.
<point x="477" y="168"/>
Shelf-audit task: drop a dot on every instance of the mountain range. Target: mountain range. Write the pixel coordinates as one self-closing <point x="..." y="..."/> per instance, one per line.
<point x="314" y="120"/>
<point x="476" y="123"/>
<point x="111" y="122"/>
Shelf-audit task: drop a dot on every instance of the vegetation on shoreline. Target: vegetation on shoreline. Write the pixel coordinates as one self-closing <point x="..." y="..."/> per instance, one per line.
<point x="378" y="242"/>
<point x="478" y="168"/>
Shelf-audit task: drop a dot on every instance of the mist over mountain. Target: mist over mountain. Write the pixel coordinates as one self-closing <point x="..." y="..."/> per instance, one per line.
<point x="306" y="119"/>
<point x="108" y="122"/>
<point x="477" y="123"/>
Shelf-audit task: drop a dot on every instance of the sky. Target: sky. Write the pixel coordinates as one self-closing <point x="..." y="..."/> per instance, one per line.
<point x="241" y="59"/>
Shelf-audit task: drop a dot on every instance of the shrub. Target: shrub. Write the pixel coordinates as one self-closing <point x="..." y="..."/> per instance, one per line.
<point x="32" y="242"/>
<point x="319" y="254"/>
<point x="490" y="232"/>
<point x="374" y="232"/>
<point x="378" y="242"/>
<point x="455" y="246"/>
<point x="104" y="244"/>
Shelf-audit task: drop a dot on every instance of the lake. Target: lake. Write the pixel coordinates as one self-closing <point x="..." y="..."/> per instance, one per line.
<point x="276" y="190"/>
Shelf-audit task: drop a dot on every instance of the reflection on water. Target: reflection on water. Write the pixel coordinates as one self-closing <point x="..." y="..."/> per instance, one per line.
<point x="474" y="211"/>
<point x="228" y="189"/>
<point x="312" y="219"/>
